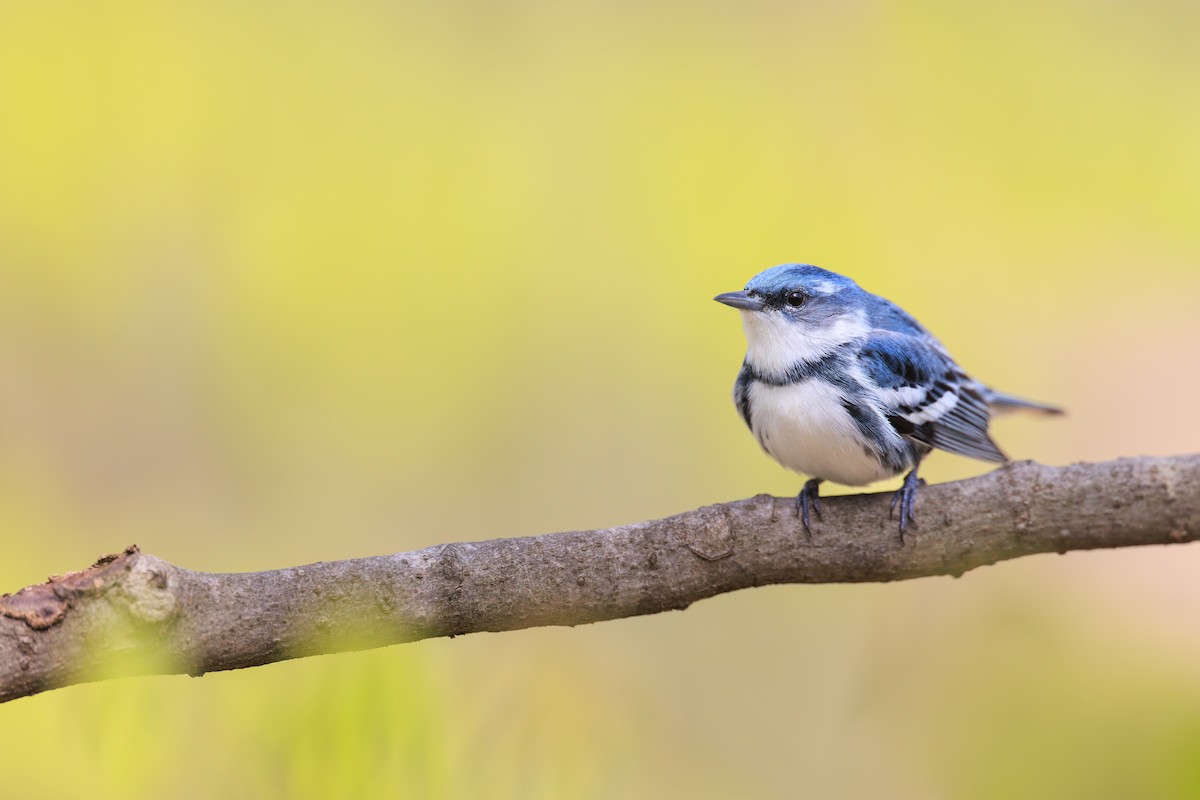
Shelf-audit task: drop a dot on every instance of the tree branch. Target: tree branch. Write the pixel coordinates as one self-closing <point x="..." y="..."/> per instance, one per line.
<point x="134" y="613"/>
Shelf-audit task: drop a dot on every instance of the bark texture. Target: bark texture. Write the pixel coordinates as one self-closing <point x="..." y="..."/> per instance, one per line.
<point x="133" y="613"/>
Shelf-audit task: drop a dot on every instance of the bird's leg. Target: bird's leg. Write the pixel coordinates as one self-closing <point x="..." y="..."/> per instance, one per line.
<point x="809" y="498"/>
<point x="906" y="498"/>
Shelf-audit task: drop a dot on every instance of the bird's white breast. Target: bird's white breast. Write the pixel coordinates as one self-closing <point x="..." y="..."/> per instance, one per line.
<point x="805" y="427"/>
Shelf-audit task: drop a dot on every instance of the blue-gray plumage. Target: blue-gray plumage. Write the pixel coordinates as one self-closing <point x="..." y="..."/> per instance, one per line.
<point x="841" y="384"/>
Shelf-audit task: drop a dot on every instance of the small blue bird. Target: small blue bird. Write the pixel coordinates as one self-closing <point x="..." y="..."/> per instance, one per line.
<point x="843" y="385"/>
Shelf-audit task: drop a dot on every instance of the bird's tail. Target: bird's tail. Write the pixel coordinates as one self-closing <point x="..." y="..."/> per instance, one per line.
<point x="1001" y="402"/>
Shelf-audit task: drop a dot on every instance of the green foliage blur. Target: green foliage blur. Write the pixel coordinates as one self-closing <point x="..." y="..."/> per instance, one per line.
<point x="290" y="282"/>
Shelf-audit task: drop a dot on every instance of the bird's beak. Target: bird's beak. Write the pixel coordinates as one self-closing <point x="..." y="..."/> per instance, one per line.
<point x="743" y="300"/>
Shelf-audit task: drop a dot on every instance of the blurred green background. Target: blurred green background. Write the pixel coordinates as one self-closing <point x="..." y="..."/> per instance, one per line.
<point x="289" y="282"/>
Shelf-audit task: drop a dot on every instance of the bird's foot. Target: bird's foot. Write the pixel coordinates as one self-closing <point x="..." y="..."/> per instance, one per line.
<point x="905" y="499"/>
<point x="809" y="499"/>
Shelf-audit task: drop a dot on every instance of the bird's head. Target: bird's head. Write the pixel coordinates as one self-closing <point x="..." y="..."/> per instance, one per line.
<point x="796" y="313"/>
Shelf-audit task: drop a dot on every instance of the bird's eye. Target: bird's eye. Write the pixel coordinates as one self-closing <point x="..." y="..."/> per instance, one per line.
<point x="795" y="299"/>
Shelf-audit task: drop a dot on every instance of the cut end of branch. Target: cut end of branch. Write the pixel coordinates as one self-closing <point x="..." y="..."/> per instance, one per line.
<point x="47" y="604"/>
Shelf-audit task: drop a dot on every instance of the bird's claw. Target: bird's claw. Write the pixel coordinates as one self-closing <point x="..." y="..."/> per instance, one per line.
<point x="809" y="499"/>
<point x="906" y="498"/>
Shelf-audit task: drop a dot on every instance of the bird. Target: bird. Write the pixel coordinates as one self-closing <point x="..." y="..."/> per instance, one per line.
<point x="844" y="385"/>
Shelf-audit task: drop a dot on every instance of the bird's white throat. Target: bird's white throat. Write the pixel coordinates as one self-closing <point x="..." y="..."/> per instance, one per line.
<point x="775" y="343"/>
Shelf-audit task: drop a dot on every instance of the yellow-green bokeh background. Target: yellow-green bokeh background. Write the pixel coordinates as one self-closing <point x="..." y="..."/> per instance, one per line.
<point x="289" y="282"/>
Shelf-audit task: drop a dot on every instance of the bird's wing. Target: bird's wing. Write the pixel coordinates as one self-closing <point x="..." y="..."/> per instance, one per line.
<point x="927" y="397"/>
